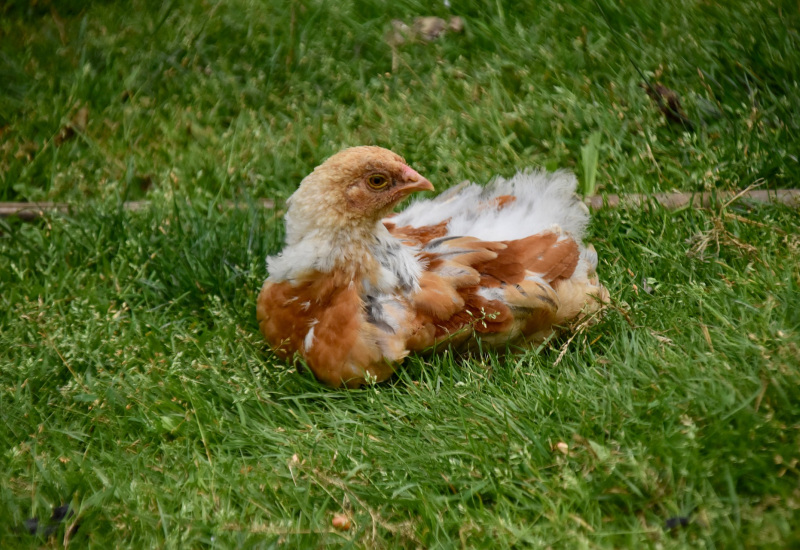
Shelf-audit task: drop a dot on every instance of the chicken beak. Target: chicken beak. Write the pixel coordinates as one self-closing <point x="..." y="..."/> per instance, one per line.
<point x="413" y="182"/>
<point x="414" y="186"/>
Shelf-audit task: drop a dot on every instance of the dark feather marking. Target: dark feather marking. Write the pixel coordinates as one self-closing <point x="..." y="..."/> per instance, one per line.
<point x="544" y="288"/>
<point x="436" y="242"/>
<point x="548" y="300"/>
<point x="452" y="254"/>
<point x="374" y="311"/>
<point x="392" y="248"/>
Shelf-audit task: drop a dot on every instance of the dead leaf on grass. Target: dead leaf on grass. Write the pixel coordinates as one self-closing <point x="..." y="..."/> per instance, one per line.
<point x="424" y="28"/>
<point x="78" y="123"/>
<point x="26" y="150"/>
<point x="669" y="103"/>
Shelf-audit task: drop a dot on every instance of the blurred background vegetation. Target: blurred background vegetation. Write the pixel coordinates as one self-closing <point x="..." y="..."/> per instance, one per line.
<point x="243" y="98"/>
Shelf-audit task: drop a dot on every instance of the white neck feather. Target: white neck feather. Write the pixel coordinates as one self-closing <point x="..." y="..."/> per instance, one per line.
<point x="380" y="260"/>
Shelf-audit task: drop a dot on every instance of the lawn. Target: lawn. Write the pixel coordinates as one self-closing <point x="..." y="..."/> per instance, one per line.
<point x="136" y="388"/>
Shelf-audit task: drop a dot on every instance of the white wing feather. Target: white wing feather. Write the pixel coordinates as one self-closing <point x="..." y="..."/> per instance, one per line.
<point x="543" y="199"/>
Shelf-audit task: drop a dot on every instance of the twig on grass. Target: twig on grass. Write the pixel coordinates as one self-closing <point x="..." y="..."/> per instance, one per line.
<point x="680" y="199"/>
<point x="377" y="520"/>
<point x="671" y="201"/>
<point x="720" y="235"/>
<point x="758" y="183"/>
<point x="578" y="329"/>
<point x="33" y="210"/>
<point x="565" y="347"/>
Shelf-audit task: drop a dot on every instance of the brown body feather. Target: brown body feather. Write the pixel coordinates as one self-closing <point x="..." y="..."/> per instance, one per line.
<point x="531" y="275"/>
<point x="343" y="345"/>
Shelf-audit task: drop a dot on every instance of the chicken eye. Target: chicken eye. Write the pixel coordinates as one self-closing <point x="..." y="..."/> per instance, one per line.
<point x="377" y="181"/>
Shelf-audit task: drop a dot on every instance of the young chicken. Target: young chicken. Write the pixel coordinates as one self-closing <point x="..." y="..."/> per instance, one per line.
<point x="356" y="288"/>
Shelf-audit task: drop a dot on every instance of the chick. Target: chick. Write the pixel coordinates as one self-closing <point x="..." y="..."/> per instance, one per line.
<point x="357" y="288"/>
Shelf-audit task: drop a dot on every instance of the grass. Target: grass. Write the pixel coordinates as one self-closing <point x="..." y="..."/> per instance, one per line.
<point x="135" y="387"/>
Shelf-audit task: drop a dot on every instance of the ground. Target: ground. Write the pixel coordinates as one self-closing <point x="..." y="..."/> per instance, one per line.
<point x="135" y="387"/>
